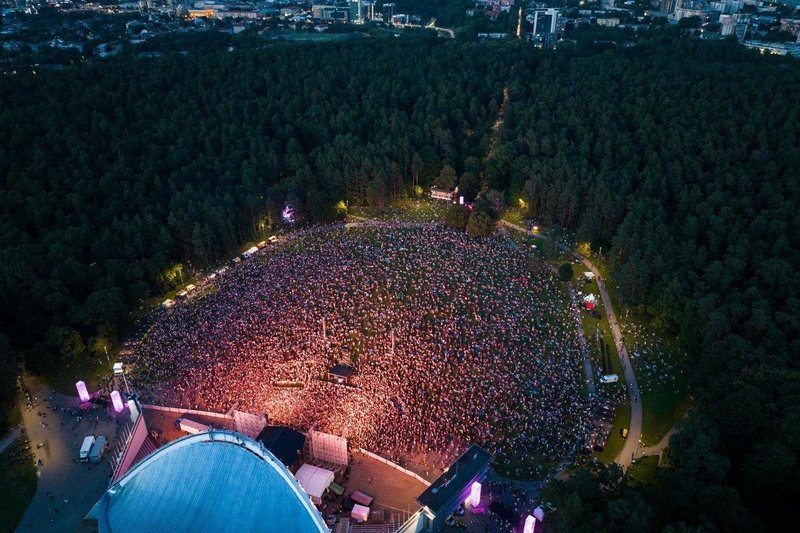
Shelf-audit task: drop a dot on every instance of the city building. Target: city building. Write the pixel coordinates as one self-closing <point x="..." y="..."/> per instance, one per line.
<point x="547" y="21"/>
<point x="611" y="22"/>
<point x="666" y="6"/>
<point x="736" y="24"/>
<point x="389" y="9"/>
<point x="210" y="481"/>
<point x="781" y="49"/>
<point x="370" y="8"/>
<point x="686" y="12"/>
<point x="356" y="11"/>
<point x="330" y="12"/>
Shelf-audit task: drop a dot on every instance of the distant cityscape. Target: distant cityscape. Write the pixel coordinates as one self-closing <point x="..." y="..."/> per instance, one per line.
<point x="54" y="32"/>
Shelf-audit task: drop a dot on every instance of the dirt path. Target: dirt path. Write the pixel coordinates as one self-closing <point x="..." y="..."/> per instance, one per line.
<point x="498" y="123"/>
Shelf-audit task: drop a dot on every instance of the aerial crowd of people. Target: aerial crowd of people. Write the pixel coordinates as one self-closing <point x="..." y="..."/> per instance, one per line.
<point x="454" y="340"/>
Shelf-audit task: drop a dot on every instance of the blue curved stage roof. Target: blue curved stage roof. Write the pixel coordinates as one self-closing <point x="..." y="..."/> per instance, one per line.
<point x="215" y="481"/>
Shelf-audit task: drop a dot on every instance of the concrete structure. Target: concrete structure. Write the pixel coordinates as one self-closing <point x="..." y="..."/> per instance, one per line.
<point x="206" y="482"/>
<point x="454" y="486"/>
<point x="666" y="6"/>
<point x="389" y="9"/>
<point x="447" y="195"/>
<point x="685" y="12"/>
<point x="356" y="11"/>
<point x="547" y="21"/>
<point x="330" y="12"/>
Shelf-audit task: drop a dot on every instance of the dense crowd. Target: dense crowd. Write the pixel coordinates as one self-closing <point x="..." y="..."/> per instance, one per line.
<point x="454" y="340"/>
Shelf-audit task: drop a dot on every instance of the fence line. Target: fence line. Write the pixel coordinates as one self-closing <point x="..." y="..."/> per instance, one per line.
<point x="210" y="414"/>
<point x="396" y="467"/>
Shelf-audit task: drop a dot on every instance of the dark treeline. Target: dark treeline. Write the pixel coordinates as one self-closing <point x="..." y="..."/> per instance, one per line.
<point x="679" y="158"/>
<point x="115" y="172"/>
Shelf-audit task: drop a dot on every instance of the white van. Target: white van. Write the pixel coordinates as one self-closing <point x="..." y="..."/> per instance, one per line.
<point x="609" y="378"/>
<point x="86" y="447"/>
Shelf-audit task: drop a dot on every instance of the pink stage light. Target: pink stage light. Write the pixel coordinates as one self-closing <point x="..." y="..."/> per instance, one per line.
<point x="116" y="399"/>
<point x="83" y="394"/>
<point x="475" y="494"/>
<point x="288" y="214"/>
<point x="530" y="524"/>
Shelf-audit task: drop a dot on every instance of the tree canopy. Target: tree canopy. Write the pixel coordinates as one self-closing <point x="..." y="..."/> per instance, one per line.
<point x="679" y="157"/>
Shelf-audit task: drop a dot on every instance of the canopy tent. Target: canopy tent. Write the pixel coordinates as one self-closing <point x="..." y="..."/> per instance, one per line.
<point x="360" y="513"/>
<point x="336" y="489"/>
<point x="314" y="481"/>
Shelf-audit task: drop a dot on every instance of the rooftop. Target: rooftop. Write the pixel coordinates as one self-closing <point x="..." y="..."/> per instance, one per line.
<point x="207" y="482"/>
<point x="343" y="371"/>
<point x="457" y="477"/>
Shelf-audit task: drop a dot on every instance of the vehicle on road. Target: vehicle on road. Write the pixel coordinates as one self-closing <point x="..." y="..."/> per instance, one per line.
<point x="86" y="447"/>
<point x="98" y="448"/>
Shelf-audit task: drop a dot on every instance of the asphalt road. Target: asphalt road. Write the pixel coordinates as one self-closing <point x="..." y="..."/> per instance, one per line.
<point x="66" y="489"/>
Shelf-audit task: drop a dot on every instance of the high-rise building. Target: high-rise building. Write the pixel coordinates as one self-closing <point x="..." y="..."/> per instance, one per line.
<point x="666" y="6"/>
<point x="547" y="21"/>
<point x="389" y="11"/>
<point x="356" y="11"/>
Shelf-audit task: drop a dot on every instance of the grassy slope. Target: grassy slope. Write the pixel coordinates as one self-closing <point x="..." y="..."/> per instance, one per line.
<point x="17" y="484"/>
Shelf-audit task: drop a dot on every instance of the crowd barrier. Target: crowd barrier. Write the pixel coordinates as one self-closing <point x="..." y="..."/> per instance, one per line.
<point x="396" y="466"/>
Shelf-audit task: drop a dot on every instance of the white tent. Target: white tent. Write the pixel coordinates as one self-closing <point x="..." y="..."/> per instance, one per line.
<point x="360" y="513"/>
<point x="314" y="481"/>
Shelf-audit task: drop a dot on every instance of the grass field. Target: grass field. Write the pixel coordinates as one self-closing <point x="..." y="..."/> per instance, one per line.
<point x="645" y="469"/>
<point x="596" y="329"/>
<point x="661" y="409"/>
<point x="622" y="418"/>
<point x="665" y="401"/>
<point x="88" y="369"/>
<point x="17" y="483"/>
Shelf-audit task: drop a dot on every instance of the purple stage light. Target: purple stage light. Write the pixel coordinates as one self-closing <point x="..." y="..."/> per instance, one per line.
<point x="530" y="524"/>
<point x="475" y="494"/>
<point x="116" y="399"/>
<point x="83" y="394"/>
<point x="288" y="214"/>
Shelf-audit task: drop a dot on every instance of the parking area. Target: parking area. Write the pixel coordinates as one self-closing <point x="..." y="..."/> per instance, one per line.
<point x="67" y="489"/>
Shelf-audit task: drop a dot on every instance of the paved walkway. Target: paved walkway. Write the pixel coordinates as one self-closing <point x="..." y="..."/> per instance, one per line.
<point x="11" y="437"/>
<point x="658" y="448"/>
<point x="67" y="489"/>
<point x="632" y="444"/>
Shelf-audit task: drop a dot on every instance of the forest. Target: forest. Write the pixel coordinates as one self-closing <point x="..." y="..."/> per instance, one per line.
<point x="678" y="157"/>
